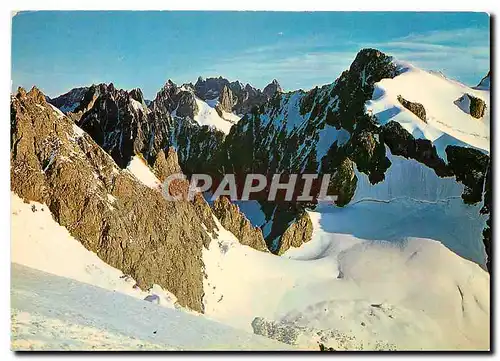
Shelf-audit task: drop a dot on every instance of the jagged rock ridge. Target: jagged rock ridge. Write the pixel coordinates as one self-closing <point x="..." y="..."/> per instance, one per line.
<point x="127" y="224"/>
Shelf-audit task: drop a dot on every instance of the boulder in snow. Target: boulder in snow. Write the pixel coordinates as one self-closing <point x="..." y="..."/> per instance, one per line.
<point x="153" y="299"/>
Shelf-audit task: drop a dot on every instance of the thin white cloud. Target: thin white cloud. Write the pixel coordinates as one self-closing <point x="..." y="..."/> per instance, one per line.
<point x="463" y="54"/>
<point x="294" y="64"/>
<point x="464" y="35"/>
<point x="303" y="70"/>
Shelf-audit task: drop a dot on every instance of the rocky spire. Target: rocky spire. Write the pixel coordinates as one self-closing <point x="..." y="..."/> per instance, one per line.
<point x="234" y="221"/>
<point x="136" y="94"/>
<point x="226" y="99"/>
<point x="272" y="88"/>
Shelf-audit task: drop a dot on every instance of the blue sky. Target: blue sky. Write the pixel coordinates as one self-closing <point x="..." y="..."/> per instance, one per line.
<point x="60" y="50"/>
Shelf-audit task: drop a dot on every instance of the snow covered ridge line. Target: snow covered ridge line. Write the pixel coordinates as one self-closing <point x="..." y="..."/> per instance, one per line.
<point x="305" y="187"/>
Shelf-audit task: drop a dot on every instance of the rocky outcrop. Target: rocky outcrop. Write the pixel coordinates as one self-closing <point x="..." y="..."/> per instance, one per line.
<point x="343" y="180"/>
<point x="210" y="88"/>
<point x="367" y="150"/>
<point x="233" y="96"/>
<point x="137" y="95"/>
<point x="298" y="233"/>
<point x="122" y="124"/>
<point x="486" y="209"/>
<point x="116" y="123"/>
<point x="166" y="165"/>
<point x="127" y="224"/>
<point x="472" y="105"/>
<point x="472" y="168"/>
<point x="272" y="88"/>
<point x="265" y="141"/>
<point x="477" y="107"/>
<point x="226" y="101"/>
<point x="235" y="222"/>
<point x="416" y="108"/>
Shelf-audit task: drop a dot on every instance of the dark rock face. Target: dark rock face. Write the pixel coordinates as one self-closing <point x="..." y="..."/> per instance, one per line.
<point x="469" y="167"/>
<point x="137" y="95"/>
<point x="416" y="108"/>
<point x="187" y="105"/>
<point x="367" y="151"/>
<point x="471" y="105"/>
<point x="115" y="124"/>
<point x="402" y="143"/>
<point x="344" y="180"/>
<point x="264" y="142"/>
<point x="128" y="225"/>
<point x="210" y="88"/>
<point x="70" y="100"/>
<point x="473" y="169"/>
<point x="234" y="221"/>
<point x="487" y="210"/>
<point x="355" y="86"/>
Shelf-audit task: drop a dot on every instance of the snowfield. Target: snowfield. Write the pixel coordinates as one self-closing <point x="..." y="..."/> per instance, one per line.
<point x="446" y="123"/>
<point x="63" y="297"/>
<point x="140" y="170"/>
<point x="412" y="201"/>
<point x="52" y="249"/>
<point x="350" y="293"/>
<point x="56" y="313"/>
<point x="209" y="116"/>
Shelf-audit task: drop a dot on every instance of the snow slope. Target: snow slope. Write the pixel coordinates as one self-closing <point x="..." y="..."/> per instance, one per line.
<point x="209" y="116"/>
<point x="350" y="293"/>
<point x="56" y="313"/>
<point x="229" y="116"/>
<point x="446" y="122"/>
<point x="138" y="106"/>
<point x="39" y="242"/>
<point x="413" y="201"/>
<point x="407" y="178"/>
<point x="139" y="169"/>
<point x="65" y="297"/>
